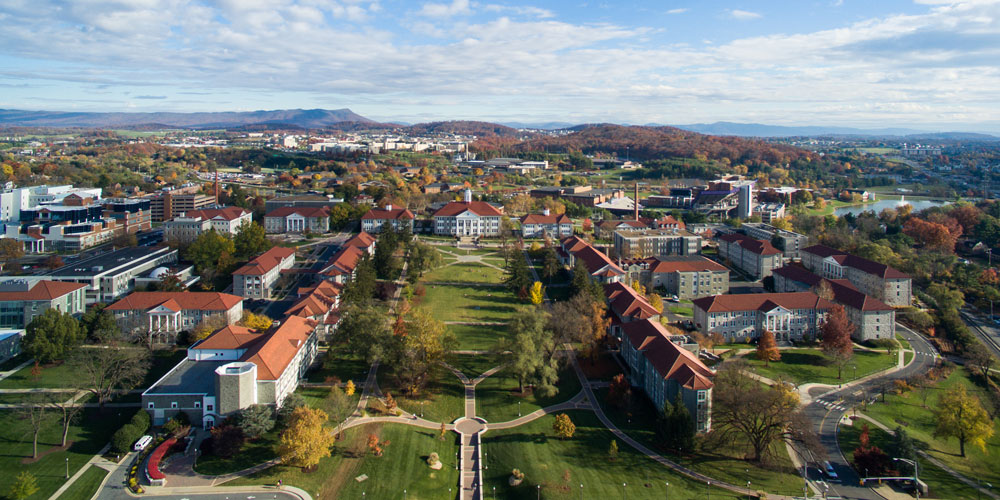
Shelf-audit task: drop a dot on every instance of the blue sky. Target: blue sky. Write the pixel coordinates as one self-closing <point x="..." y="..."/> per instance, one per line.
<point x="932" y="64"/>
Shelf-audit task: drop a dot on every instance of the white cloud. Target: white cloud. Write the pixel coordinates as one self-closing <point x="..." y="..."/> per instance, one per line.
<point x="742" y="15"/>
<point x="456" y="7"/>
<point x="521" y="10"/>
<point x="677" y="11"/>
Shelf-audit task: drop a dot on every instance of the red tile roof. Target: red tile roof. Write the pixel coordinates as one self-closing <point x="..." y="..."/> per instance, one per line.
<point x="392" y="213"/>
<point x="344" y="261"/>
<point x="670" y="360"/>
<point x="480" y="208"/>
<point x="360" y="240"/>
<point x="759" y="247"/>
<point x="596" y="261"/>
<point x="280" y="346"/>
<point x="227" y="213"/>
<point x="303" y="211"/>
<point x="823" y="251"/>
<point x="684" y="263"/>
<point x="43" y="290"/>
<point x="762" y="301"/>
<point x="627" y="303"/>
<point x="230" y="337"/>
<point x="265" y="262"/>
<point x="190" y="301"/>
<point x="546" y="219"/>
<point x="859" y="263"/>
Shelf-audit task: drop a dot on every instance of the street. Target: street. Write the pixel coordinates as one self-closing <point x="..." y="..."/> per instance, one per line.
<point x="827" y="411"/>
<point x="986" y="330"/>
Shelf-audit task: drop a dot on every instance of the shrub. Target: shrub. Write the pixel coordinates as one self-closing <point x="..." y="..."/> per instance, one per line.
<point x="122" y="439"/>
<point x="517" y="474"/>
<point x="141" y="420"/>
<point x="256" y="420"/>
<point x="433" y="458"/>
<point x="227" y="441"/>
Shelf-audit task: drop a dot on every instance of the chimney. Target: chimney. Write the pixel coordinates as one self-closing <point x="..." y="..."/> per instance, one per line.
<point x="545" y="211"/>
<point x="216" y="186"/>
<point x="468" y="196"/>
<point x="635" y="202"/>
<point x="388" y="208"/>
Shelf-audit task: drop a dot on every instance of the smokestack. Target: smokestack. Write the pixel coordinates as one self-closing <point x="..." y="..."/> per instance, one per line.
<point x="216" y="186"/>
<point x="635" y="202"/>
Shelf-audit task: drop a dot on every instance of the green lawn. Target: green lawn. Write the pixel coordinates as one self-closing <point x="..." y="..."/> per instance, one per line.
<point x="682" y="311"/>
<point x="86" y="485"/>
<point x="902" y="341"/>
<point x="801" y="366"/>
<point x="60" y="375"/>
<point x="465" y="272"/>
<point x="443" y="397"/>
<point x="338" y="363"/>
<point x="561" y="466"/>
<point x="719" y="460"/>
<point x="470" y="303"/>
<point x="403" y="466"/>
<point x="940" y="483"/>
<point x="471" y="337"/>
<point x="87" y="437"/>
<point x="908" y="411"/>
<point x="252" y="453"/>
<point x="14" y="362"/>
<point x="472" y="365"/>
<point x="497" y="397"/>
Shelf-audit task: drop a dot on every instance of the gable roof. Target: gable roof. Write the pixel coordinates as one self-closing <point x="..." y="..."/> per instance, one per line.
<point x="43" y="290"/>
<point x="225" y="213"/>
<point x="391" y="213"/>
<point x="480" y="208"/>
<point x="275" y="352"/>
<point x="627" y="303"/>
<point x="823" y="250"/>
<point x="189" y="301"/>
<point x="230" y="337"/>
<point x="343" y="262"/>
<point x="670" y="360"/>
<point x="265" y="262"/>
<point x="762" y="301"/>
<point x="360" y="240"/>
<point x="303" y="211"/>
<point x="546" y="219"/>
<point x="859" y="263"/>
<point x="759" y="247"/>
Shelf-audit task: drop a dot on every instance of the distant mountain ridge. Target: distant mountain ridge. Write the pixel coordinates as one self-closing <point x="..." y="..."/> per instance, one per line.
<point x="762" y="130"/>
<point x="304" y="118"/>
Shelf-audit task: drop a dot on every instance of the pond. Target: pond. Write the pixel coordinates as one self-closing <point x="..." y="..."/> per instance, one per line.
<point x="885" y="203"/>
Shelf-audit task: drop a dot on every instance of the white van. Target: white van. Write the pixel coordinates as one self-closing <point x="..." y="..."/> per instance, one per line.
<point x="142" y="443"/>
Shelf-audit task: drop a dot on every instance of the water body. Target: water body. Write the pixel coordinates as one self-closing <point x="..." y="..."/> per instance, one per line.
<point x="883" y="204"/>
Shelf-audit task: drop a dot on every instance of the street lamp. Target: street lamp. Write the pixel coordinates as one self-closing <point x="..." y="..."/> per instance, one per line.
<point x="519" y="408"/>
<point x="581" y="491"/>
<point x="708" y="490"/>
<point x="666" y="489"/>
<point x="67" y="467"/>
<point x="538" y="488"/>
<point x="855" y="370"/>
<point x="916" y="473"/>
<point x="624" y="496"/>
<point x="748" y="490"/>
<point x="404" y="494"/>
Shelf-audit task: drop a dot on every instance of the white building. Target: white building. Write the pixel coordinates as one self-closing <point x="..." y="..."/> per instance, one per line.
<point x="257" y="278"/>
<point x="225" y="220"/>
<point x="467" y="218"/>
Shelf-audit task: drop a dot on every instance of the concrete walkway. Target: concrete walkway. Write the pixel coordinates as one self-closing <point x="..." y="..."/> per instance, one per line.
<point x="5" y="374"/>
<point x="95" y="460"/>
<point x="952" y="472"/>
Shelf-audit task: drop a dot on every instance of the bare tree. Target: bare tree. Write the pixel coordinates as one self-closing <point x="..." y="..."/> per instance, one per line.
<point x="34" y="410"/>
<point x="982" y="361"/>
<point x="757" y="413"/>
<point x="70" y="413"/>
<point x="109" y="370"/>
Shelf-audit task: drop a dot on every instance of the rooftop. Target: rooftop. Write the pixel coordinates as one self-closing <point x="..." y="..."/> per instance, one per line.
<point x="188" y="377"/>
<point x="124" y="257"/>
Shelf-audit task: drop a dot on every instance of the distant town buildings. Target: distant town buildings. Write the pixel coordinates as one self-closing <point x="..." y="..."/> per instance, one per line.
<point x="877" y="280"/>
<point x="632" y="244"/>
<point x="789" y="242"/>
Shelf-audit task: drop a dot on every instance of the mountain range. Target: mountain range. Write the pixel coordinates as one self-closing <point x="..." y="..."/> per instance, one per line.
<point x="345" y="119"/>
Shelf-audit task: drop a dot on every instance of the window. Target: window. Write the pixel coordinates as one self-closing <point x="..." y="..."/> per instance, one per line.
<point x="150" y="405"/>
<point x="197" y="404"/>
<point x="173" y="404"/>
<point x="208" y="407"/>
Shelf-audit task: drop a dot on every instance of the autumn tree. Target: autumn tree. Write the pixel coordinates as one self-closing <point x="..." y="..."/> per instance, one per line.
<point x="981" y="360"/>
<point x="550" y="264"/>
<point x="930" y="234"/>
<point x="424" y="346"/>
<point x="250" y="241"/>
<point x="206" y="327"/>
<point x="349" y="388"/>
<point x="537" y="293"/>
<point x="581" y="319"/>
<point x="619" y="391"/>
<point x="305" y="441"/>
<point x="259" y="322"/>
<point x="868" y="457"/>
<point x="613" y="450"/>
<point x="563" y="426"/>
<point x="767" y="348"/>
<point x="836" y="343"/>
<point x="961" y="415"/>
<point x="24" y="486"/>
<point x="10" y="250"/>
<point x="366" y="331"/>
<point x="656" y="301"/>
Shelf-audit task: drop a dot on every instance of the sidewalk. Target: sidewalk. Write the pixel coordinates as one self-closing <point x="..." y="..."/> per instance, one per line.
<point x="93" y="461"/>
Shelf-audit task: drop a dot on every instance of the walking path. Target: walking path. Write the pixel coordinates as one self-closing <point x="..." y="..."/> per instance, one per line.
<point x="16" y="369"/>
<point x="952" y="472"/>
<point x="95" y="460"/>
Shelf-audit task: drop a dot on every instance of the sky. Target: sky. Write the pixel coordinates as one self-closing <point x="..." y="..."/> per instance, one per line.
<point x="925" y="64"/>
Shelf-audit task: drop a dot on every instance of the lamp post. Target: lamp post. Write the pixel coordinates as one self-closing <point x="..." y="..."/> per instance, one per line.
<point x="916" y="473"/>
<point x="404" y="494"/>
<point x="67" y="467"/>
<point x="708" y="490"/>
<point x="581" y="491"/>
<point x="519" y="408"/>
<point x="624" y="495"/>
<point x="538" y="488"/>
<point x="666" y="489"/>
<point x="748" y="490"/>
<point x="855" y="371"/>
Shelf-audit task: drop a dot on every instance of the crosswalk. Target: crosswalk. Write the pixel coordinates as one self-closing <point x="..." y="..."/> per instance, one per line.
<point x="833" y="405"/>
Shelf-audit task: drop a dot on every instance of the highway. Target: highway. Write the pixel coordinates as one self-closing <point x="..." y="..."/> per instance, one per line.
<point x="987" y="331"/>
<point x="827" y="409"/>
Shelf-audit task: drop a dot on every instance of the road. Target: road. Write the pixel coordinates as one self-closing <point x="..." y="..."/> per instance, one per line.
<point x="828" y="410"/>
<point x="983" y="328"/>
<point x="319" y="254"/>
